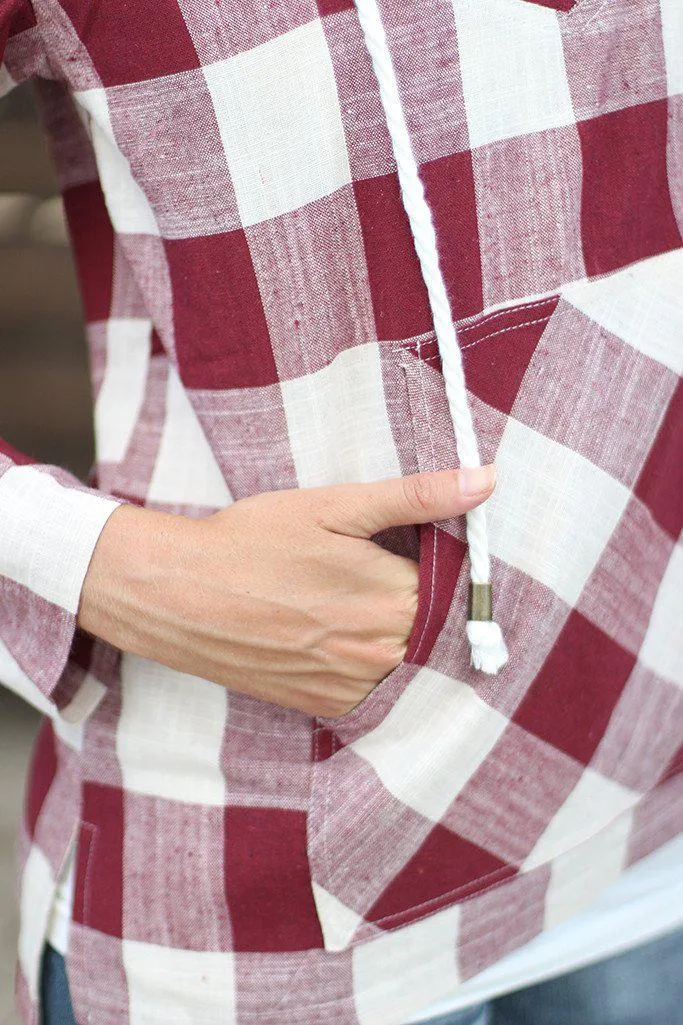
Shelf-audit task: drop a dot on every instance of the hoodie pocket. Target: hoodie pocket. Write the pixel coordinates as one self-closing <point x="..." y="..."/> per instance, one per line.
<point x="425" y="442"/>
<point x="383" y="774"/>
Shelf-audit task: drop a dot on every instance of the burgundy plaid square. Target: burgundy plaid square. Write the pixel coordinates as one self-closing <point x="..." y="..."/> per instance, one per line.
<point x="399" y="296"/>
<point x="626" y="204"/>
<point x="564" y="706"/>
<point x="20" y="39"/>
<point x="99" y="890"/>
<point x="555" y="5"/>
<point x="506" y="339"/>
<point x="130" y="41"/>
<point x="22" y="18"/>
<point x="460" y="256"/>
<point x="446" y="867"/>
<point x="221" y="335"/>
<point x="267" y="880"/>
<point x="660" y="485"/>
<point x="327" y="7"/>
<point x="42" y="774"/>
<point x="93" y="247"/>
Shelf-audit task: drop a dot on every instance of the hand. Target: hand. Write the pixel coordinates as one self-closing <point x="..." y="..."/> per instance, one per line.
<point x="280" y="595"/>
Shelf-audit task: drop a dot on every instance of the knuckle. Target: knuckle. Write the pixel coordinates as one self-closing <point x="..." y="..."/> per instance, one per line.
<point x="420" y="491"/>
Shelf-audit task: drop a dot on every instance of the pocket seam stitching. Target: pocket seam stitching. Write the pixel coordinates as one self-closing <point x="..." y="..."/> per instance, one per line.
<point x="424" y="410"/>
<point x="497" y="314"/>
<point x="503" y="330"/>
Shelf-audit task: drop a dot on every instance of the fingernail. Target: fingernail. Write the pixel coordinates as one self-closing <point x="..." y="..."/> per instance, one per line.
<point x="475" y="480"/>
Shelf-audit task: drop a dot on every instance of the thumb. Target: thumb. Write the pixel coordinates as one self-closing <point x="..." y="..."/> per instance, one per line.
<point x="360" y="510"/>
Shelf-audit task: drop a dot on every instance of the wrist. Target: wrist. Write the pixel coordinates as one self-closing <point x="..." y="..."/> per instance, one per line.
<point x="118" y="594"/>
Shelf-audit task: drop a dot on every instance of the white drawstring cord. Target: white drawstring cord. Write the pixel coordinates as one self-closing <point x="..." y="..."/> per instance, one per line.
<point x="488" y="648"/>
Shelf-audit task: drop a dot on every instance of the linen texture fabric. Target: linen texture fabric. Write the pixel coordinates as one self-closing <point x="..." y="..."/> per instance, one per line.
<point x="257" y="321"/>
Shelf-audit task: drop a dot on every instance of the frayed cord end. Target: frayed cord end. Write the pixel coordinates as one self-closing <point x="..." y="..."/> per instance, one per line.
<point x="488" y="650"/>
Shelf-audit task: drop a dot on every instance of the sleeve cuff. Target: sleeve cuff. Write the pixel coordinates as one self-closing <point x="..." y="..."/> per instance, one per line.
<point x="48" y="533"/>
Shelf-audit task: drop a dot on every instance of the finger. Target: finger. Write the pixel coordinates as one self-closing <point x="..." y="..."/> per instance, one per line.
<point x="361" y="510"/>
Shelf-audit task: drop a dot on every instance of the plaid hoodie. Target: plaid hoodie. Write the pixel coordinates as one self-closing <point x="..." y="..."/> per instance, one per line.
<point x="257" y="320"/>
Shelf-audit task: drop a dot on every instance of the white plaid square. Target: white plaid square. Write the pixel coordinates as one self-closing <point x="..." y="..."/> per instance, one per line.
<point x="432" y="740"/>
<point x="284" y="144"/>
<point x="592" y="805"/>
<point x="641" y="304"/>
<point x="197" y="986"/>
<point x="122" y="390"/>
<point x="175" y="755"/>
<point x="417" y="977"/>
<point x="128" y="206"/>
<point x="553" y="511"/>
<point x="513" y="71"/>
<point x="671" y="14"/>
<point x="337" y="922"/>
<point x="338" y="423"/>
<point x="38" y="515"/>
<point x="657" y="651"/>
<point x="37" y="891"/>
<point x="185" y="470"/>
<point x="578" y="877"/>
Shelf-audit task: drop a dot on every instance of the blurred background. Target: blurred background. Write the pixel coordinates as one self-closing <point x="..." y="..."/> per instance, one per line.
<point x="45" y="410"/>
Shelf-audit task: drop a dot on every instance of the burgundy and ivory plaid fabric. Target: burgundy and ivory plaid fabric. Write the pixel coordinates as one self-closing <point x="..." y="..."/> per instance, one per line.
<point x="257" y="320"/>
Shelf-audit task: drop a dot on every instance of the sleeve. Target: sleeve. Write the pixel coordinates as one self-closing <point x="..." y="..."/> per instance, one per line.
<point x="50" y="523"/>
<point x="49" y="520"/>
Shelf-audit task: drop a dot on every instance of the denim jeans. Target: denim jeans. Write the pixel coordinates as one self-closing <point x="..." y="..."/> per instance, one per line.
<point x="54" y="990"/>
<point x="641" y="987"/>
<point x="644" y="986"/>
